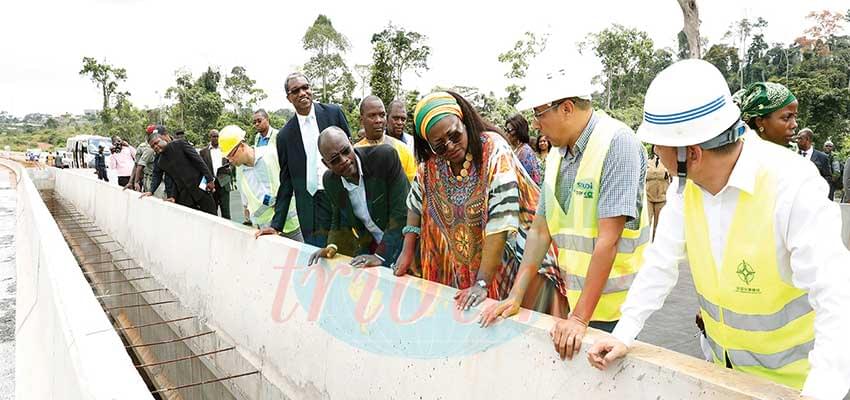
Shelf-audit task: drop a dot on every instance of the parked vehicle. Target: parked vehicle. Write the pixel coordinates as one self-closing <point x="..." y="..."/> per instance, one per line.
<point x="82" y="148"/>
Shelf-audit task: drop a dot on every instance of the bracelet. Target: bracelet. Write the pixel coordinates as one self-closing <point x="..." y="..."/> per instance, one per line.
<point x="380" y="258"/>
<point x="332" y="246"/>
<point x="411" y="229"/>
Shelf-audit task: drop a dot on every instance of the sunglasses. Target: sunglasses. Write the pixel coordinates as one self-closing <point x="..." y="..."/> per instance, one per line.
<point x="337" y="158"/>
<point x="304" y="87"/>
<point x="441" y="148"/>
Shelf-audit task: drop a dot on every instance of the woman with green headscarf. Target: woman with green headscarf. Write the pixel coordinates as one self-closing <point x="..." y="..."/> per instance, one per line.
<point x="470" y="207"/>
<point x="771" y="110"/>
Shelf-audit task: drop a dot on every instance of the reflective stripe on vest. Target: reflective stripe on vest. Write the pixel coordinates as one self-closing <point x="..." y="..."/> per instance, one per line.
<point x="586" y="244"/>
<point x="761" y="324"/>
<point x="744" y="358"/>
<point x="575" y="231"/>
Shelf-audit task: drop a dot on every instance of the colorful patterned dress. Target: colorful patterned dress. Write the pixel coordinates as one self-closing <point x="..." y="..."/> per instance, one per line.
<point x="458" y="215"/>
<point x="529" y="161"/>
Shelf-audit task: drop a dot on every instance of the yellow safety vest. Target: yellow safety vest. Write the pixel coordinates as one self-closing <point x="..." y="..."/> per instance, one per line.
<point x="763" y="325"/>
<point x="575" y="231"/>
<point x="262" y="214"/>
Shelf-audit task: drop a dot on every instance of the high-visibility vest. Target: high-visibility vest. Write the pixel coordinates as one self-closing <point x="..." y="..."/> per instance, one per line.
<point x="575" y="232"/>
<point x="262" y="214"/>
<point x="272" y="139"/>
<point x="763" y="325"/>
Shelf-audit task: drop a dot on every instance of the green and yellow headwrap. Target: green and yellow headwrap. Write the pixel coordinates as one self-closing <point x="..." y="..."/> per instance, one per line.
<point x="763" y="98"/>
<point x="432" y="109"/>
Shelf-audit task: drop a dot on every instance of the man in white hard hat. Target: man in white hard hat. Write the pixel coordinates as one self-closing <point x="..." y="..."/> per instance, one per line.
<point x="762" y="241"/>
<point x="258" y="179"/>
<point x="592" y="206"/>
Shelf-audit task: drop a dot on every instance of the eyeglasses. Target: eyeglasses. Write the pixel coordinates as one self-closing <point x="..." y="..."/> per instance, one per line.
<point x="537" y="115"/>
<point x="305" y="87"/>
<point x="337" y="158"/>
<point x="258" y="121"/>
<point x="442" y="147"/>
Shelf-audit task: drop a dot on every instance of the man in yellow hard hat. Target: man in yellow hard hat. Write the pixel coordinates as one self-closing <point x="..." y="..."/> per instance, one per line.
<point x="762" y="241"/>
<point x="258" y="179"/>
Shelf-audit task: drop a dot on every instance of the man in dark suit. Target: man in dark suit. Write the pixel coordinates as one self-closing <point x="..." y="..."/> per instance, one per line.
<point x="368" y="188"/>
<point x="184" y="165"/>
<point x="300" y="167"/>
<point x="821" y="160"/>
<point x="224" y="174"/>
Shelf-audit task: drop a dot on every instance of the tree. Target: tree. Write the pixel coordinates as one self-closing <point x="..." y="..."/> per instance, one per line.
<point x="364" y="75"/>
<point x="629" y="62"/>
<point x="725" y="58"/>
<point x="106" y="77"/>
<point x="739" y="33"/>
<point x="518" y="59"/>
<point x="199" y="105"/>
<point x="825" y="25"/>
<point x="326" y="63"/>
<point x="395" y="51"/>
<point x="690" y="12"/>
<point x="241" y="94"/>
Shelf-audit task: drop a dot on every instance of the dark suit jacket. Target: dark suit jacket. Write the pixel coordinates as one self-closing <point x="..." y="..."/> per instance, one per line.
<point x="386" y="194"/>
<point x="821" y="160"/>
<point x="225" y="176"/>
<point x="293" y="166"/>
<point x="180" y="161"/>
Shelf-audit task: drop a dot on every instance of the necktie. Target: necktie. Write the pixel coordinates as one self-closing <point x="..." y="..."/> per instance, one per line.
<point x="310" y="142"/>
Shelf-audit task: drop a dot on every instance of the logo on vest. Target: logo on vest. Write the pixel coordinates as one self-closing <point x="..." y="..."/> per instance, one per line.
<point x="746" y="274"/>
<point x="584" y="189"/>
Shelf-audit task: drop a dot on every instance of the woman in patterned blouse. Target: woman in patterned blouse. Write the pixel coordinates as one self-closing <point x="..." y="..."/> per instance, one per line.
<point x="516" y="129"/>
<point x="469" y="208"/>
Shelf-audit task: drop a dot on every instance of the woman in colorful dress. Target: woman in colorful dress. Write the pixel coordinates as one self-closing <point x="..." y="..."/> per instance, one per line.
<point x="542" y="146"/>
<point x="516" y="130"/>
<point x="470" y="207"/>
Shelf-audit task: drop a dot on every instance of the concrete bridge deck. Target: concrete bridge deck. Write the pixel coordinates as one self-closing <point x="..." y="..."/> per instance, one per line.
<point x="322" y="332"/>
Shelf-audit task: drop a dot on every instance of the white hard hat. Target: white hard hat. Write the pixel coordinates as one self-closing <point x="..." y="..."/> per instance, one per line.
<point x="688" y="103"/>
<point x="545" y="88"/>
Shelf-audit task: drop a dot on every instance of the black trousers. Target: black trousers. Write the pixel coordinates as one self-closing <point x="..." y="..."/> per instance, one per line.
<point x="123" y="180"/>
<point x="197" y="199"/>
<point x="101" y="174"/>
<point x="222" y="201"/>
<point x="318" y="236"/>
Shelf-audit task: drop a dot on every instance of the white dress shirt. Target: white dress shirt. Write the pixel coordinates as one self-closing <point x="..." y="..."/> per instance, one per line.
<point x="807" y="154"/>
<point x="310" y="137"/>
<point x="357" y="198"/>
<point x="810" y="255"/>
<point x="215" y="155"/>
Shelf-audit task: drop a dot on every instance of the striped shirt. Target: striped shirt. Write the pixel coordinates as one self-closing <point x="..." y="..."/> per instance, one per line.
<point x="623" y="175"/>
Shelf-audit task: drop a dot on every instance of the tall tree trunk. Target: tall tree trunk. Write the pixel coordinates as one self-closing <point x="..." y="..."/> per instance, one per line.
<point x="691" y="15"/>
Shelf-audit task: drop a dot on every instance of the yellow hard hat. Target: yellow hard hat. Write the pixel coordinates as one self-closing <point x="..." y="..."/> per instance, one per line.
<point x="229" y="137"/>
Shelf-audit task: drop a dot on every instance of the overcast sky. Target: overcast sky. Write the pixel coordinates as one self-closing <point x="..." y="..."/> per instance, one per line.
<point x="44" y="41"/>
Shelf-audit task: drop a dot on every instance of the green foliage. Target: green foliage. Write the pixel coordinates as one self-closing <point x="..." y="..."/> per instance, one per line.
<point x="199" y="104"/>
<point x="332" y="82"/>
<point x="518" y="59"/>
<point x="395" y="51"/>
<point x="241" y="95"/>
<point x="106" y="77"/>
<point x="629" y="62"/>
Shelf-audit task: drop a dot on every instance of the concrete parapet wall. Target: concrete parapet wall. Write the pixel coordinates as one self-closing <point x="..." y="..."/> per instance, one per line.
<point x="332" y="332"/>
<point x="65" y="345"/>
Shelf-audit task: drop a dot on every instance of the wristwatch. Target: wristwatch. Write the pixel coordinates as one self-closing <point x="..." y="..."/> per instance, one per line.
<point x="481" y="283"/>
